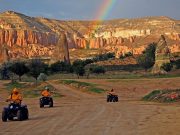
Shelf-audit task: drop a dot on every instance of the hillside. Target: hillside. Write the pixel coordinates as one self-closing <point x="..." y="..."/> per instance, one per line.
<point x="25" y="37"/>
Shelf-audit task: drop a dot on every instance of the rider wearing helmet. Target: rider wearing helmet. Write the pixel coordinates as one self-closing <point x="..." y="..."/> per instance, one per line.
<point x="112" y="92"/>
<point x="15" y="96"/>
<point x="45" y="92"/>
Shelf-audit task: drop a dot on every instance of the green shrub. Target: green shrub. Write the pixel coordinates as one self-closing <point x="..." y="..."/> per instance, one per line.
<point x="151" y="95"/>
<point x="147" y="59"/>
<point x="167" y="67"/>
<point x="177" y="63"/>
<point x="97" y="69"/>
<point x="42" y="77"/>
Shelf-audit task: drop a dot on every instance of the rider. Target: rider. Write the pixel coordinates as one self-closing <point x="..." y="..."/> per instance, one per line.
<point x="15" y="96"/>
<point x="45" y="92"/>
<point x="112" y="92"/>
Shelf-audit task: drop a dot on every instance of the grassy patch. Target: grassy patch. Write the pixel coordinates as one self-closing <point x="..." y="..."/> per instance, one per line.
<point x="83" y="85"/>
<point x="30" y="90"/>
<point x="77" y="82"/>
<point x="151" y="95"/>
<point x="10" y="86"/>
<point x="164" y="96"/>
<point x="36" y="91"/>
<point x="97" y="90"/>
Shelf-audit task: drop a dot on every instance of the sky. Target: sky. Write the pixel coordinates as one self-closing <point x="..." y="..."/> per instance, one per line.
<point x="88" y="9"/>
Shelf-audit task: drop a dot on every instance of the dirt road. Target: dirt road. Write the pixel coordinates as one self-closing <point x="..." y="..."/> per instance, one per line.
<point x="83" y="114"/>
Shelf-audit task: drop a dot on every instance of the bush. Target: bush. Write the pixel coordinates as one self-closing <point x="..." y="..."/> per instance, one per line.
<point x="42" y="77"/>
<point x="128" y="54"/>
<point x="97" y="69"/>
<point x="36" y="66"/>
<point x="4" y="72"/>
<point x="78" y="63"/>
<point x="61" y="66"/>
<point x="177" y="64"/>
<point x="19" y="68"/>
<point x="167" y="67"/>
<point x="147" y="59"/>
<point x="79" y="70"/>
<point x="103" y="57"/>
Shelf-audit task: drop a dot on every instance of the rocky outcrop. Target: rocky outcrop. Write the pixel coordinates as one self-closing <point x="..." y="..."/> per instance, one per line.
<point x="25" y="37"/>
<point x="124" y="33"/>
<point x="4" y="54"/>
<point x="122" y="50"/>
<point x="61" y="51"/>
<point x="174" y="36"/>
<point x="175" y="48"/>
<point x="162" y="55"/>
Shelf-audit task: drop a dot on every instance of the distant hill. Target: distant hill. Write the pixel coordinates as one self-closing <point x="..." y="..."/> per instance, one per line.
<point x="25" y="37"/>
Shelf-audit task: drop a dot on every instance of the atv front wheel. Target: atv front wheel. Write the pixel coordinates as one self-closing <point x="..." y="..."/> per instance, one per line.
<point x="4" y="116"/>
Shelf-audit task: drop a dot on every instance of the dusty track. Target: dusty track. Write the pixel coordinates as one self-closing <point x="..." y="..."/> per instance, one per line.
<point x="83" y="114"/>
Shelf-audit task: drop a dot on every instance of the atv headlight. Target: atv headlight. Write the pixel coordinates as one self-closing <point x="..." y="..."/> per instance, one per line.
<point x="11" y="107"/>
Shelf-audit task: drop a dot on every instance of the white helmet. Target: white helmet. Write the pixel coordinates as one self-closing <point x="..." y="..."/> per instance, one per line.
<point x="46" y="88"/>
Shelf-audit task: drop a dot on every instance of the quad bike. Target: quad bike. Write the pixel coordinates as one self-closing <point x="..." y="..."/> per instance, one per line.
<point x="15" y="111"/>
<point x="112" y="98"/>
<point x="46" y="101"/>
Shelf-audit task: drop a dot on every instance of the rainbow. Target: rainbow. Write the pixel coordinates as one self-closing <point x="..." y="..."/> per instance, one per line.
<point x="101" y="14"/>
<point x="104" y="10"/>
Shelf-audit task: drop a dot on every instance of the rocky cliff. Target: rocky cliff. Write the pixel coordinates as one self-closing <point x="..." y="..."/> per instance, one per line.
<point x="162" y="56"/>
<point x="27" y="37"/>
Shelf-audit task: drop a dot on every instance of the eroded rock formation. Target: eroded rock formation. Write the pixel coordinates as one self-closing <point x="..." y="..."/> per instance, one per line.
<point x="24" y="37"/>
<point x="162" y="55"/>
<point x="4" y="54"/>
<point x="28" y="37"/>
<point x="61" y="49"/>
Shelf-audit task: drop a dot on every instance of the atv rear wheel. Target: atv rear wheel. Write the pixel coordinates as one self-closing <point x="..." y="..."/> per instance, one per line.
<point x="4" y="116"/>
<point x="41" y="105"/>
<point x="26" y="114"/>
<point x="19" y="115"/>
<point x="50" y="104"/>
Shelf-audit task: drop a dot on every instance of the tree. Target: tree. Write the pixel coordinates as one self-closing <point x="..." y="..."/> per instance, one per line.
<point x="19" y="68"/>
<point x="177" y="63"/>
<point x="128" y="54"/>
<point x="97" y="69"/>
<point x="147" y="59"/>
<point x="102" y="57"/>
<point x="78" y="63"/>
<point x="88" y="61"/>
<point x="61" y="66"/>
<point x="145" y="62"/>
<point x="79" y="70"/>
<point x="167" y="67"/>
<point x="4" y="72"/>
<point x="36" y="66"/>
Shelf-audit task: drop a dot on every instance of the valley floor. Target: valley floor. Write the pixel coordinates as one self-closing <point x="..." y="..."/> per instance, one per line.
<point x="80" y="113"/>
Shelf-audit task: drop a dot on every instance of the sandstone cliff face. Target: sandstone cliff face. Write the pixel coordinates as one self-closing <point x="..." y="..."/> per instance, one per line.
<point x="174" y="36"/>
<point x="124" y="33"/>
<point x="24" y="37"/>
<point x="28" y="37"/>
